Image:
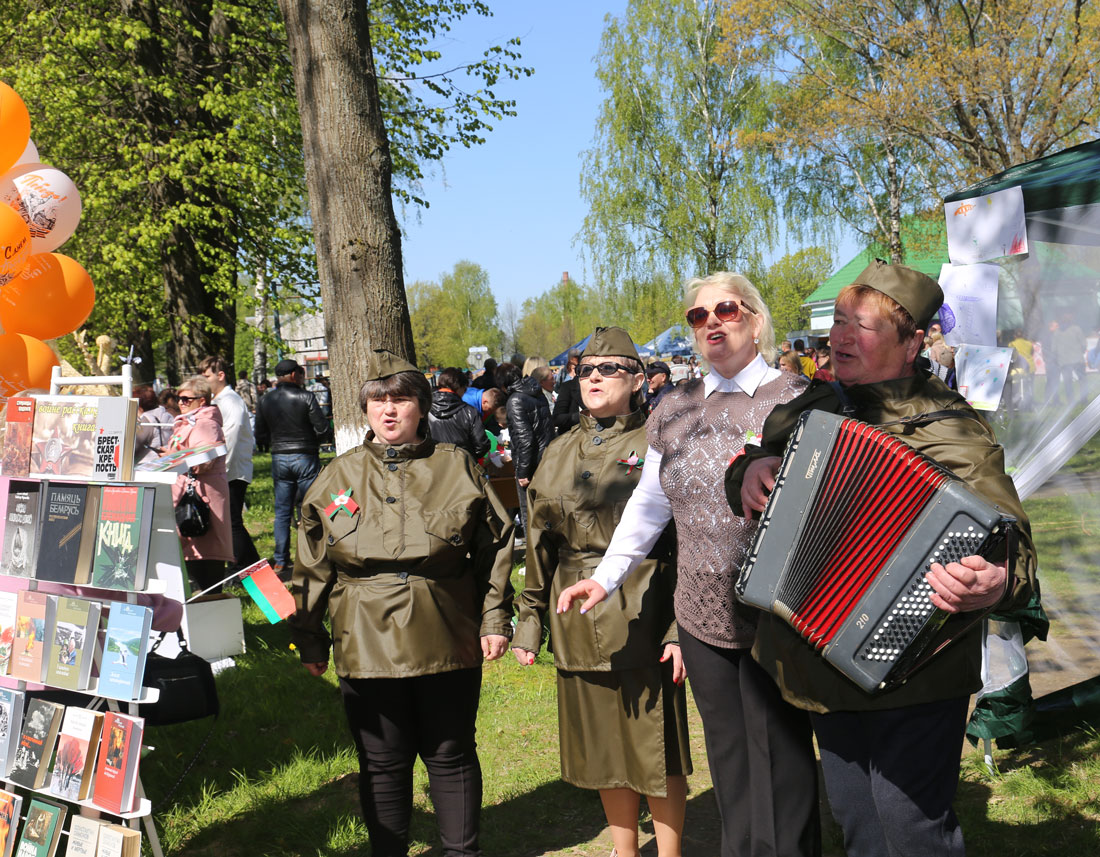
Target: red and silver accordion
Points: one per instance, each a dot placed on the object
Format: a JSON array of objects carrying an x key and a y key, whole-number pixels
[{"x": 853, "y": 525}]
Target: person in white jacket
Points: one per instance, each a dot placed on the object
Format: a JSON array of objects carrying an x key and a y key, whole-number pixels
[{"x": 239, "y": 442}]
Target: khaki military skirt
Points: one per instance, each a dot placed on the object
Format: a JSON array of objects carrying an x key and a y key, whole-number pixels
[{"x": 623, "y": 729}]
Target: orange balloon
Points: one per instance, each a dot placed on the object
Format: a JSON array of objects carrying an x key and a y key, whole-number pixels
[
  {"x": 52, "y": 296},
  {"x": 15, "y": 127},
  {"x": 15, "y": 243},
  {"x": 25, "y": 363}
]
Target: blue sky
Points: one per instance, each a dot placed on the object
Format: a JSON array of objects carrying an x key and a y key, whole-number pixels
[{"x": 513, "y": 205}]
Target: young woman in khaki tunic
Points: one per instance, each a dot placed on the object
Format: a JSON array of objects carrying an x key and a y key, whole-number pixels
[{"x": 621, "y": 702}]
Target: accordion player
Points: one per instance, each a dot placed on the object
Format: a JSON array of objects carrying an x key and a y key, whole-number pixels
[{"x": 853, "y": 525}]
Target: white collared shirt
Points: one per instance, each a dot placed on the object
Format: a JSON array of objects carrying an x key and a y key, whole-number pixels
[
  {"x": 238, "y": 434},
  {"x": 746, "y": 381},
  {"x": 648, "y": 510}
]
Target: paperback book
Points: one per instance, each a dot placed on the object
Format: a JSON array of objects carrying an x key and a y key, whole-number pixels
[
  {"x": 11, "y": 724},
  {"x": 118, "y": 841},
  {"x": 74, "y": 639},
  {"x": 19, "y": 421},
  {"x": 10, "y": 804},
  {"x": 8, "y": 605},
  {"x": 125, "y": 646},
  {"x": 66, "y": 539},
  {"x": 122, "y": 537},
  {"x": 21, "y": 516},
  {"x": 36, "y": 743},
  {"x": 77, "y": 745},
  {"x": 117, "y": 767},
  {"x": 33, "y": 621},
  {"x": 41, "y": 830},
  {"x": 84, "y": 437},
  {"x": 83, "y": 836}
]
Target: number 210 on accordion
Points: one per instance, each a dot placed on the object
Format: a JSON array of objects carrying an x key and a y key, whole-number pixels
[{"x": 855, "y": 521}]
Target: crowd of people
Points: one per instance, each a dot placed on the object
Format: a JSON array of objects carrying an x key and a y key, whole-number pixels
[{"x": 637, "y": 489}]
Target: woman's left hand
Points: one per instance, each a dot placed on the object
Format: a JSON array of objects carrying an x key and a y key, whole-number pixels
[
  {"x": 679, "y": 672},
  {"x": 969, "y": 584},
  {"x": 493, "y": 646}
]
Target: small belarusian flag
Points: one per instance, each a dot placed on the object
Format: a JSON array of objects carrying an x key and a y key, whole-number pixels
[
  {"x": 341, "y": 501},
  {"x": 269, "y": 593}
]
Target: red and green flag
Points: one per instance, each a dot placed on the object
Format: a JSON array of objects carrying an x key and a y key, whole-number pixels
[{"x": 269, "y": 593}]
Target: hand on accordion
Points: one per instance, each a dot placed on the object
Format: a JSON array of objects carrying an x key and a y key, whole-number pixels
[
  {"x": 970, "y": 584},
  {"x": 588, "y": 589},
  {"x": 758, "y": 483}
]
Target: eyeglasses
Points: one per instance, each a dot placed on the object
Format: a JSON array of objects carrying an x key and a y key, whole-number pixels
[
  {"x": 724, "y": 311},
  {"x": 605, "y": 369},
  {"x": 187, "y": 400}
]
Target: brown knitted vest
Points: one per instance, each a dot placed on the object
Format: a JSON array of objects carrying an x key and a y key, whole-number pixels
[{"x": 697, "y": 437}]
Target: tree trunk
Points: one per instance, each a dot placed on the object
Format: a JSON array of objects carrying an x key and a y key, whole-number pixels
[
  {"x": 348, "y": 173},
  {"x": 893, "y": 182},
  {"x": 259, "y": 344},
  {"x": 201, "y": 321}
]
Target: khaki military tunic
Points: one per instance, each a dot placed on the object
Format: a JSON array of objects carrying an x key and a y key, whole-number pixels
[
  {"x": 622, "y": 721},
  {"x": 963, "y": 444},
  {"x": 415, "y": 575}
]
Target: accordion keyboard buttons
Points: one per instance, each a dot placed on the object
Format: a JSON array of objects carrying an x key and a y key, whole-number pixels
[{"x": 911, "y": 612}]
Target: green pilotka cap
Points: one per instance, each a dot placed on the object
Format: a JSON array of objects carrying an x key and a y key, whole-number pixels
[
  {"x": 383, "y": 364},
  {"x": 917, "y": 293},
  {"x": 610, "y": 342}
]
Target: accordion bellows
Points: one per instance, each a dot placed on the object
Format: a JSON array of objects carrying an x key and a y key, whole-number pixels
[{"x": 853, "y": 525}]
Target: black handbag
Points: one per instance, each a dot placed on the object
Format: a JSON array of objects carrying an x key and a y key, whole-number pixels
[
  {"x": 186, "y": 685},
  {"x": 192, "y": 512}
]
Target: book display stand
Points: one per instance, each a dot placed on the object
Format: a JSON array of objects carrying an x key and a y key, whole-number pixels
[{"x": 163, "y": 574}]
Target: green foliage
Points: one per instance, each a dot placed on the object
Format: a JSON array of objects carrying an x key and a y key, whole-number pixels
[
  {"x": 177, "y": 122},
  {"x": 428, "y": 110},
  {"x": 789, "y": 281},
  {"x": 670, "y": 193},
  {"x": 560, "y": 316},
  {"x": 450, "y": 317}
]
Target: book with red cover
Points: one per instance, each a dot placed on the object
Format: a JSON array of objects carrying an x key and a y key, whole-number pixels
[
  {"x": 117, "y": 767},
  {"x": 17, "y": 436},
  {"x": 33, "y": 621}
]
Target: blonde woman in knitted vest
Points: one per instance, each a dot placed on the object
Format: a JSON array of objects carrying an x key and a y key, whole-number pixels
[{"x": 758, "y": 747}]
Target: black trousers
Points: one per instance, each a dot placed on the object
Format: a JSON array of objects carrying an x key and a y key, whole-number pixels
[
  {"x": 394, "y": 720},
  {"x": 760, "y": 752},
  {"x": 891, "y": 777},
  {"x": 244, "y": 551}
]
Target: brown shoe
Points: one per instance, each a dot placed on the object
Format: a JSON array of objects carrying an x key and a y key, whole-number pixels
[{"x": 282, "y": 572}]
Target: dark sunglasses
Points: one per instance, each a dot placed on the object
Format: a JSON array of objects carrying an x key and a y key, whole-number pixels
[
  {"x": 724, "y": 311},
  {"x": 187, "y": 400},
  {"x": 605, "y": 369}
]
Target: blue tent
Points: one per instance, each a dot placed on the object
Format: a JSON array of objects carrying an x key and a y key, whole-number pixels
[
  {"x": 560, "y": 359},
  {"x": 677, "y": 339}
]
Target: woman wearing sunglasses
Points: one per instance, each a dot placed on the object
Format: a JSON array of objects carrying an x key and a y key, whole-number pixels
[
  {"x": 199, "y": 424},
  {"x": 622, "y": 713},
  {"x": 758, "y": 747}
]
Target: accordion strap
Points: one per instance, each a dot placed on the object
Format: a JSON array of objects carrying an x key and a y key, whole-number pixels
[
  {"x": 930, "y": 417},
  {"x": 848, "y": 409}
]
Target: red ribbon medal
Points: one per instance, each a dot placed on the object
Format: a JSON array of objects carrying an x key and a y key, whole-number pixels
[{"x": 341, "y": 501}]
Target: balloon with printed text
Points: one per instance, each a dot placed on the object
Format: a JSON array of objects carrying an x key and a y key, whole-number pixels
[
  {"x": 15, "y": 244},
  {"x": 15, "y": 127},
  {"x": 46, "y": 199},
  {"x": 53, "y": 295},
  {"x": 26, "y": 363}
]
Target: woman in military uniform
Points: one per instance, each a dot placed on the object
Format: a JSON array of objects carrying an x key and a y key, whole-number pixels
[
  {"x": 408, "y": 549},
  {"x": 621, "y": 704}
]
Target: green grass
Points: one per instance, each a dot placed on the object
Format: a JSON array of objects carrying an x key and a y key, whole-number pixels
[{"x": 279, "y": 774}]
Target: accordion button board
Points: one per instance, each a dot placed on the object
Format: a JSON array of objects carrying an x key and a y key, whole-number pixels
[{"x": 853, "y": 525}]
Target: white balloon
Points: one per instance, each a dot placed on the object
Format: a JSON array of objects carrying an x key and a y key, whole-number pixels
[
  {"x": 30, "y": 154},
  {"x": 46, "y": 199}
]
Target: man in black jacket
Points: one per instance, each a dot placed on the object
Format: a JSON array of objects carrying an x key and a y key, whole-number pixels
[
  {"x": 289, "y": 419},
  {"x": 529, "y": 428},
  {"x": 451, "y": 420}
]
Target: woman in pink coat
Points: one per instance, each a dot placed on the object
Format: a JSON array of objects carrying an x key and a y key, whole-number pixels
[{"x": 198, "y": 424}]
